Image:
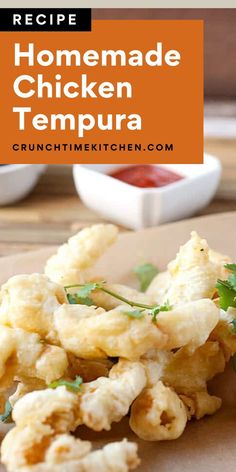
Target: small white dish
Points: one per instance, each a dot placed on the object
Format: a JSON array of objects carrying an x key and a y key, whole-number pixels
[
  {"x": 138, "y": 208},
  {"x": 17, "y": 180}
]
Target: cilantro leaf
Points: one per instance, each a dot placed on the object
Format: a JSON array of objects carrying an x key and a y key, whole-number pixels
[
  {"x": 88, "y": 288},
  {"x": 156, "y": 310},
  {"x": 227, "y": 289},
  {"x": 6, "y": 416},
  {"x": 82, "y": 297},
  {"x": 73, "y": 299},
  {"x": 232, "y": 280},
  {"x": 85, "y": 301},
  {"x": 231, "y": 267},
  {"x": 134, "y": 314},
  {"x": 145, "y": 273},
  {"x": 73, "y": 386},
  {"x": 227, "y": 294}
]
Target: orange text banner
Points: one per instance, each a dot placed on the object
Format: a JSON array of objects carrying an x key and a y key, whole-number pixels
[{"x": 126, "y": 92}]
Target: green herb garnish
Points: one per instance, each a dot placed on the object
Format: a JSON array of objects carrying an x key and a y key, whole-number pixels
[
  {"x": 6, "y": 416},
  {"x": 232, "y": 280},
  {"x": 73, "y": 299},
  {"x": 73, "y": 386},
  {"x": 227, "y": 288},
  {"x": 226, "y": 293},
  {"x": 83, "y": 295},
  {"x": 157, "y": 309},
  {"x": 145, "y": 274},
  {"x": 231, "y": 267},
  {"x": 86, "y": 289}
]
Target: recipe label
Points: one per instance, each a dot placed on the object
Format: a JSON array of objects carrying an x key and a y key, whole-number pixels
[{"x": 124, "y": 92}]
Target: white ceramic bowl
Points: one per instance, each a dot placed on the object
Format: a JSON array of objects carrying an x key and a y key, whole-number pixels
[
  {"x": 136, "y": 207},
  {"x": 17, "y": 180}
]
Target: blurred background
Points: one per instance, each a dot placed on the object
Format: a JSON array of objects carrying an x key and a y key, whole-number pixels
[{"x": 53, "y": 210}]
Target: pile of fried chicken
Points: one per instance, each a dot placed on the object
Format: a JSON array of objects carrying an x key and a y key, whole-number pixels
[{"x": 154, "y": 369}]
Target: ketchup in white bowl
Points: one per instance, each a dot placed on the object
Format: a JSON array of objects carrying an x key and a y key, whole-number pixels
[
  {"x": 146, "y": 176},
  {"x": 157, "y": 194}
]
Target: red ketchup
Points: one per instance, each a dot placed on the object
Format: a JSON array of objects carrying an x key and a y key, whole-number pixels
[{"x": 146, "y": 176}]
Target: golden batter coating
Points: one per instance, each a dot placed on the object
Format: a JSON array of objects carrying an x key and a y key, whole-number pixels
[
  {"x": 154, "y": 365},
  {"x": 192, "y": 275},
  {"x": 188, "y": 325},
  {"x": 158, "y": 414},
  {"x": 23, "y": 353},
  {"x": 80, "y": 253},
  {"x": 29, "y": 301},
  {"x": 108, "y": 399},
  {"x": 188, "y": 373},
  {"x": 90, "y": 333},
  {"x": 40, "y": 439}
]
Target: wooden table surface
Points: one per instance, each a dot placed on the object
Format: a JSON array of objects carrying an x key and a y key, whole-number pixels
[{"x": 53, "y": 211}]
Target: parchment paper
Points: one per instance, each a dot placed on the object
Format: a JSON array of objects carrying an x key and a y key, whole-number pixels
[{"x": 208, "y": 445}]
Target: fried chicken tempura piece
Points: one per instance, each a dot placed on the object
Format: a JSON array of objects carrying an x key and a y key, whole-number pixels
[
  {"x": 29, "y": 301},
  {"x": 189, "y": 373},
  {"x": 64, "y": 448},
  {"x": 108, "y": 302},
  {"x": 57, "y": 408},
  {"x": 23, "y": 353},
  {"x": 158, "y": 414},
  {"x": 200, "y": 404},
  {"x": 154, "y": 363},
  {"x": 80, "y": 253},
  {"x": 107, "y": 400},
  {"x": 188, "y": 325},
  {"x": 89, "y": 333},
  {"x": 97, "y": 405},
  {"x": 192, "y": 275},
  {"x": 51, "y": 364},
  {"x": 114, "y": 457},
  {"x": 40, "y": 440},
  {"x": 89, "y": 370},
  {"x": 159, "y": 287},
  {"x": 68, "y": 454},
  {"x": 39, "y": 417}
]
